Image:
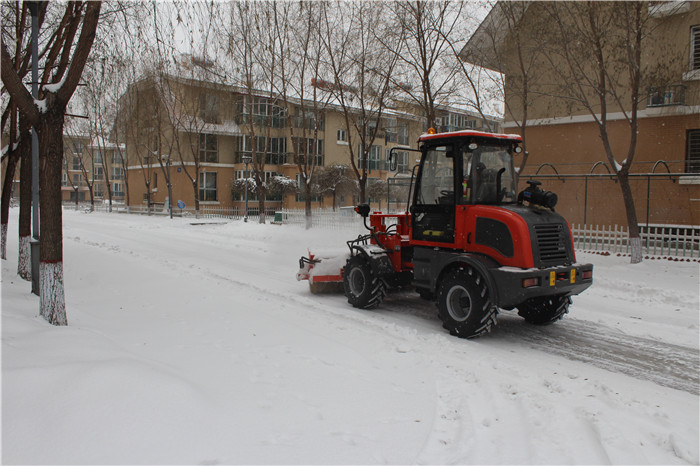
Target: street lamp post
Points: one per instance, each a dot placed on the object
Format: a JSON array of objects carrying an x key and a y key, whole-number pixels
[
  {"x": 170, "y": 185},
  {"x": 246, "y": 161},
  {"x": 36, "y": 226}
]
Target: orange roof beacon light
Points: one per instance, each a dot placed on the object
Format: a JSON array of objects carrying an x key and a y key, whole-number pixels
[{"x": 431, "y": 131}]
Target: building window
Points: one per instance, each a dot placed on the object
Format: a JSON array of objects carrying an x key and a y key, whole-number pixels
[
  {"x": 309, "y": 119},
  {"x": 457, "y": 122},
  {"x": 64, "y": 179},
  {"x": 99, "y": 173},
  {"x": 695, "y": 48},
  {"x": 99, "y": 190},
  {"x": 209, "y": 108},
  {"x": 117, "y": 159},
  {"x": 391, "y": 133},
  {"x": 76, "y": 163},
  {"x": 692, "y": 154},
  {"x": 117, "y": 173},
  {"x": 77, "y": 179},
  {"x": 309, "y": 146},
  {"x": 403, "y": 134},
  {"x": 155, "y": 181},
  {"x": 262, "y": 112},
  {"x": 208, "y": 148},
  {"x": 97, "y": 156},
  {"x": 207, "y": 186},
  {"x": 118, "y": 190},
  {"x": 374, "y": 161},
  {"x": 77, "y": 147},
  {"x": 342, "y": 136},
  {"x": 80, "y": 196},
  {"x": 669, "y": 95},
  {"x": 276, "y": 151}
]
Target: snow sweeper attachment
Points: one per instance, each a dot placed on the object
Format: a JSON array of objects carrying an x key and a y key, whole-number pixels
[
  {"x": 323, "y": 270},
  {"x": 468, "y": 241}
]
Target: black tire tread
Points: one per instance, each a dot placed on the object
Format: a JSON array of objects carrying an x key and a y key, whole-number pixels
[
  {"x": 482, "y": 322},
  {"x": 377, "y": 289}
]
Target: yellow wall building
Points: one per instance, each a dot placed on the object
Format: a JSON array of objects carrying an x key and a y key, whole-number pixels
[{"x": 199, "y": 133}]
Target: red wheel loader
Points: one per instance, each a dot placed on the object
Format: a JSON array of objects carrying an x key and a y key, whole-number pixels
[{"x": 468, "y": 240}]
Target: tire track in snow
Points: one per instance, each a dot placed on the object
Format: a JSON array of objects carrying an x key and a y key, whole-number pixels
[{"x": 665, "y": 364}]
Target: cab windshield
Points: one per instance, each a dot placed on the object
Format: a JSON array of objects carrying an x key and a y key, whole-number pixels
[{"x": 488, "y": 175}]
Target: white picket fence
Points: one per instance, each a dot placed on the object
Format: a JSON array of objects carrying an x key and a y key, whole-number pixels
[{"x": 657, "y": 240}]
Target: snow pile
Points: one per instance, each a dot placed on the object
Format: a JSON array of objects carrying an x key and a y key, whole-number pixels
[{"x": 195, "y": 344}]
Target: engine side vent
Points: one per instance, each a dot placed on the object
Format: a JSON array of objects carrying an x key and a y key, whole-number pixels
[{"x": 553, "y": 244}]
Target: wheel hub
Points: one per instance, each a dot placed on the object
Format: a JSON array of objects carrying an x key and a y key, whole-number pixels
[
  {"x": 459, "y": 303},
  {"x": 356, "y": 281}
]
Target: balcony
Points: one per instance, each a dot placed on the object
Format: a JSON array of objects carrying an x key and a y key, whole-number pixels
[
  {"x": 666, "y": 96},
  {"x": 263, "y": 121},
  {"x": 271, "y": 158},
  {"x": 309, "y": 123}
]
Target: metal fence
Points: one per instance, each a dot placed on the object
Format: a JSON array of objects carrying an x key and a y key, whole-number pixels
[{"x": 205, "y": 211}]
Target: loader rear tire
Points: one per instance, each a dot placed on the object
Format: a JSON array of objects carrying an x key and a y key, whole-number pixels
[
  {"x": 363, "y": 288},
  {"x": 464, "y": 303},
  {"x": 544, "y": 310}
]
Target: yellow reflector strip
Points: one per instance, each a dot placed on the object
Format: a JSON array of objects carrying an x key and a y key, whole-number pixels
[
  {"x": 552, "y": 278},
  {"x": 573, "y": 275}
]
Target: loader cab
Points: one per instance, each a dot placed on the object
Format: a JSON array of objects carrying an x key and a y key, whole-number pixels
[{"x": 462, "y": 168}]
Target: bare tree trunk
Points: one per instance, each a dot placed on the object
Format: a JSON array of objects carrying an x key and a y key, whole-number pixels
[
  {"x": 12, "y": 159},
  {"x": 632, "y": 221},
  {"x": 363, "y": 188},
  {"x": 261, "y": 208},
  {"x": 307, "y": 205},
  {"x": 195, "y": 187},
  {"x": 53, "y": 304},
  {"x": 24, "y": 269}
]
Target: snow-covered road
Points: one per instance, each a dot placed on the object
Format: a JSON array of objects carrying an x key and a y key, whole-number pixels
[{"x": 194, "y": 344}]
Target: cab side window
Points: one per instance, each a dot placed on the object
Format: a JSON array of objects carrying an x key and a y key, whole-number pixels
[{"x": 466, "y": 184}]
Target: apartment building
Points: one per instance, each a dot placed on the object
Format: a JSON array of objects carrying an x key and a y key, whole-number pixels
[
  {"x": 91, "y": 165},
  {"x": 199, "y": 133},
  {"x": 563, "y": 138}
]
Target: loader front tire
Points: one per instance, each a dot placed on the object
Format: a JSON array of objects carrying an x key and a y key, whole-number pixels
[
  {"x": 363, "y": 288},
  {"x": 464, "y": 303}
]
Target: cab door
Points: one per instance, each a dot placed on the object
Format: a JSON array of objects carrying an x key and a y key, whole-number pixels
[{"x": 433, "y": 210}]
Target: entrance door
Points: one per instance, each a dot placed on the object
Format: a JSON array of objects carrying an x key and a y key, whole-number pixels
[{"x": 433, "y": 208}]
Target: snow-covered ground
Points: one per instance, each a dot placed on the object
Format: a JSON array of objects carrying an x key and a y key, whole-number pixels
[{"x": 195, "y": 344}]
